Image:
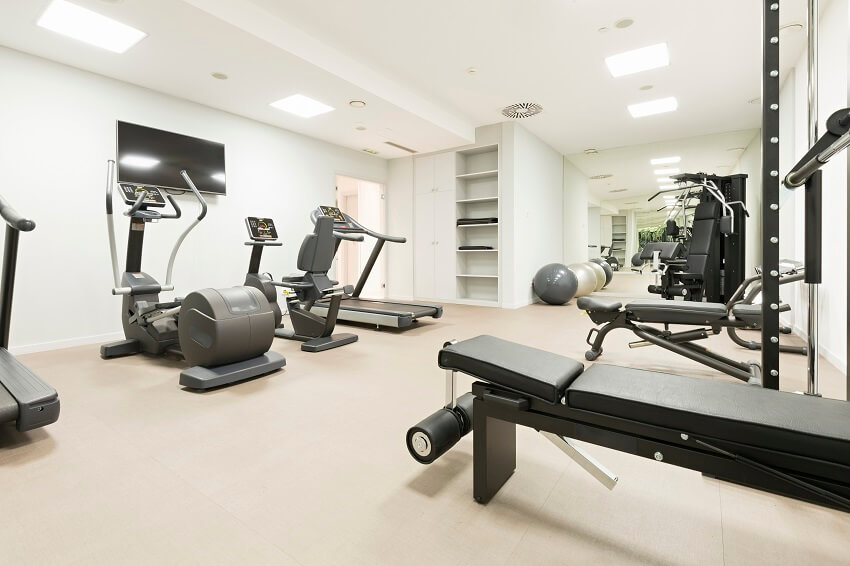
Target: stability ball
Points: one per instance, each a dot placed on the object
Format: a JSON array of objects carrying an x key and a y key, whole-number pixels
[
  {"x": 600, "y": 274},
  {"x": 609, "y": 271},
  {"x": 555, "y": 284},
  {"x": 586, "y": 278},
  {"x": 636, "y": 260}
]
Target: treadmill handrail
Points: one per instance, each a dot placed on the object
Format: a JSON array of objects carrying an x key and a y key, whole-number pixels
[{"x": 13, "y": 219}]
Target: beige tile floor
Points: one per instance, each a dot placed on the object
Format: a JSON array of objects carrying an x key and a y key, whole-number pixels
[{"x": 308, "y": 466}]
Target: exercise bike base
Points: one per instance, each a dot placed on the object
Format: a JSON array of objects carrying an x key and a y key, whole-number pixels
[
  {"x": 317, "y": 344},
  {"x": 201, "y": 378}
]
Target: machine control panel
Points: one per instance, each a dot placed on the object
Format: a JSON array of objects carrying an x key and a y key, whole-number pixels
[
  {"x": 340, "y": 222},
  {"x": 130, "y": 192},
  {"x": 261, "y": 229}
]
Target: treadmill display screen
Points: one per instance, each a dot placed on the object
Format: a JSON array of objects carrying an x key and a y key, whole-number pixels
[{"x": 333, "y": 212}]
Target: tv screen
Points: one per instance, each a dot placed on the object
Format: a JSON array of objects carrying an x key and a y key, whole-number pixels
[{"x": 148, "y": 156}]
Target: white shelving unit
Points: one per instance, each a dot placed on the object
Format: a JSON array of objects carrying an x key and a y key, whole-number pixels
[
  {"x": 477, "y": 193},
  {"x": 618, "y": 238}
]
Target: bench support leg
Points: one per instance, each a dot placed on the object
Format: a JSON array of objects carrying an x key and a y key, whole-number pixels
[
  {"x": 583, "y": 459},
  {"x": 493, "y": 454}
]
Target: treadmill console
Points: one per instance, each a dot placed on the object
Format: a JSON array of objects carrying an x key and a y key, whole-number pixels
[
  {"x": 341, "y": 223},
  {"x": 130, "y": 192},
  {"x": 261, "y": 229}
]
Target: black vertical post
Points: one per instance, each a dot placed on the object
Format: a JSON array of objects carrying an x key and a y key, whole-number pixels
[
  {"x": 770, "y": 195},
  {"x": 7, "y": 286},
  {"x": 135, "y": 244},
  {"x": 256, "y": 258},
  {"x": 813, "y": 220}
]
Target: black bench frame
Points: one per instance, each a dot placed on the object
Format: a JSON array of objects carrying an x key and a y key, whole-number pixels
[{"x": 497, "y": 411}]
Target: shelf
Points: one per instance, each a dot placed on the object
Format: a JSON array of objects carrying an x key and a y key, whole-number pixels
[
  {"x": 476, "y": 275},
  {"x": 472, "y": 200},
  {"x": 477, "y": 225},
  {"x": 476, "y": 251},
  {"x": 479, "y": 174}
]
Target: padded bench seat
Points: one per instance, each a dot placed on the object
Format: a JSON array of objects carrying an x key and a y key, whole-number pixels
[
  {"x": 526, "y": 370},
  {"x": 751, "y": 314},
  {"x": 807, "y": 426},
  {"x": 675, "y": 312}
]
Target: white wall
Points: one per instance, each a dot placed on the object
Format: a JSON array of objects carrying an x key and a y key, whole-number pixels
[
  {"x": 58, "y": 130},
  {"x": 538, "y": 180},
  {"x": 400, "y": 223},
  {"x": 575, "y": 214}
]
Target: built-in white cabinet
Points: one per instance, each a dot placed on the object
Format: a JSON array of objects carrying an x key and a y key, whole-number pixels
[
  {"x": 433, "y": 230},
  {"x": 456, "y": 228}
]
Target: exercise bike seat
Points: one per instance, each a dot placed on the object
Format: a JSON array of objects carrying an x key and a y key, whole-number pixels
[
  {"x": 523, "y": 369},
  {"x": 591, "y": 304}
]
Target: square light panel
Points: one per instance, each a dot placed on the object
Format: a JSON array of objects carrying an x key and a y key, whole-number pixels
[
  {"x": 638, "y": 60},
  {"x": 665, "y": 160},
  {"x": 659, "y": 106},
  {"x": 89, "y": 27},
  {"x": 301, "y": 105},
  {"x": 666, "y": 171}
]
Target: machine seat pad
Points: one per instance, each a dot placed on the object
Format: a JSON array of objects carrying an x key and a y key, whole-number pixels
[
  {"x": 526, "y": 370},
  {"x": 675, "y": 312},
  {"x": 751, "y": 314},
  {"x": 787, "y": 422},
  {"x": 590, "y": 304}
]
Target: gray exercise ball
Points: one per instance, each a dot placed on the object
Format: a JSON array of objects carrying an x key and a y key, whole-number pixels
[
  {"x": 586, "y": 278},
  {"x": 606, "y": 267},
  {"x": 636, "y": 260},
  {"x": 555, "y": 284},
  {"x": 600, "y": 274}
]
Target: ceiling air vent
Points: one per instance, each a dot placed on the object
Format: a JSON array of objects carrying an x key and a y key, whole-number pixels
[
  {"x": 522, "y": 110},
  {"x": 602, "y": 176},
  {"x": 617, "y": 190},
  {"x": 401, "y": 147}
]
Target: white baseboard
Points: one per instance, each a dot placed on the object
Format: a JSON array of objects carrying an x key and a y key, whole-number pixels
[{"x": 69, "y": 343}]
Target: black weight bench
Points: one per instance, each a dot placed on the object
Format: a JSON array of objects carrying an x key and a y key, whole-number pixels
[{"x": 790, "y": 444}]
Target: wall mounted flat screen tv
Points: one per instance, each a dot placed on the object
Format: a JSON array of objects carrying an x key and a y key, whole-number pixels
[{"x": 148, "y": 156}]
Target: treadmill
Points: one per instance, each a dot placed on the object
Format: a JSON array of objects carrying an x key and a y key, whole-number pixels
[
  {"x": 370, "y": 311},
  {"x": 25, "y": 399}
]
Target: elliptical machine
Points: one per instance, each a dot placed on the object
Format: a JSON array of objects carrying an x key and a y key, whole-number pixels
[
  {"x": 224, "y": 333},
  {"x": 314, "y": 258}
]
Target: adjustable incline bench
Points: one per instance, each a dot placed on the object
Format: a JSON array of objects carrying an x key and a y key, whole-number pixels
[{"x": 784, "y": 443}]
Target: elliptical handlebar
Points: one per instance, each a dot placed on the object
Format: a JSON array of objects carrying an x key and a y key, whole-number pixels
[
  {"x": 13, "y": 219},
  {"x": 197, "y": 194}
]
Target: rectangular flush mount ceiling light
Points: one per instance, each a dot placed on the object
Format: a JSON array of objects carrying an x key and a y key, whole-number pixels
[
  {"x": 665, "y": 160},
  {"x": 666, "y": 171},
  {"x": 638, "y": 60},
  {"x": 301, "y": 105},
  {"x": 653, "y": 107},
  {"x": 89, "y": 27}
]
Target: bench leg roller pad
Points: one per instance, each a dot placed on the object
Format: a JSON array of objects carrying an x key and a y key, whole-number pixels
[{"x": 436, "y": 434}]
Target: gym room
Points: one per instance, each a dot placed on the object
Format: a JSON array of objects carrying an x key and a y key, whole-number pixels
[{"x": 386, "y": 283}]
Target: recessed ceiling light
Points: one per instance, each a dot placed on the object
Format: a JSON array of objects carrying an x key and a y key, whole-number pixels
[
  {"x": 736, "y": 149},
  {"x": 666, "y": 171},
  {"x": 219, "y": 76},
  {"x": 357, "y": 103},
  {"x": 602, "y": 176},
  {"x": 793, "y": 26},
  {"x": 89, "y": 27},
  {"x": 368, "y": 150},
  {"x": 471, "y": 70},
  {"x": 665, "y": 187},
  {"x": 646, "y": 87},
  {"x": 618, "y": 190},
  {"x": 638, "y": 60},
  {"x": 665, "y": 180},
  {"x": 634, "y": 202},
  {"x": 653, "y": 107},
  {"x": 591, "y": 151},
  {"x": 624, "y": 23},
  {"x": 301, "y": 105},
  {"x": 665, "y": 160},
  {"x": 756, "y": 100},
  {"x": 139, "y": 161},
  {"x": 360, "y": 127}
]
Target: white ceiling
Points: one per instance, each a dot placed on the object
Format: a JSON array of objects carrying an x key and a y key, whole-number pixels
[{"x": 408, "y": 60}]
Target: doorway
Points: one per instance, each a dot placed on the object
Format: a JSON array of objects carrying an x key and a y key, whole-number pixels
[{"x": 364, "y": 201}]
